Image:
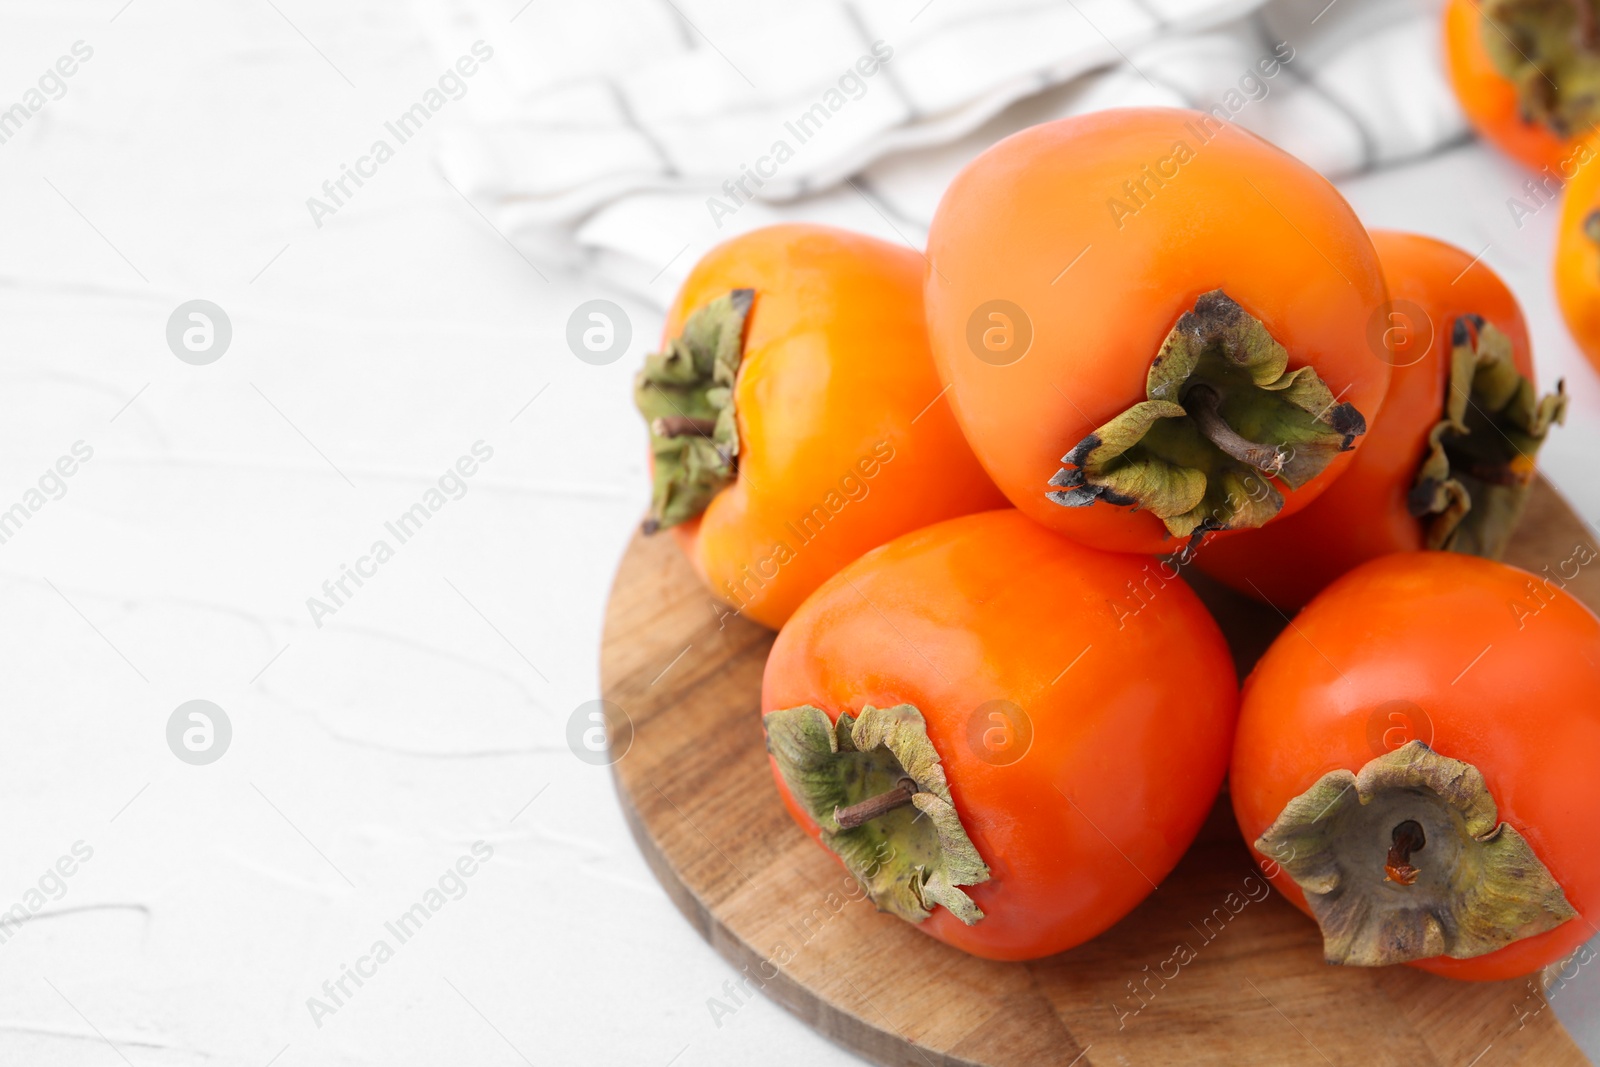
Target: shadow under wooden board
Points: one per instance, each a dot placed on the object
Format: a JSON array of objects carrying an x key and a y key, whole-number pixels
[{"x": 1210, "y": 969}]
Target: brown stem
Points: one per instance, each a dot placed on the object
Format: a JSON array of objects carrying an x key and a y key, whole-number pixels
[
  {"x": 1205, "y": 405},
  {"x": 1407, "y": 838},
  {"x": 682, "y": 426},
  {"x": 874, "y": 806}
]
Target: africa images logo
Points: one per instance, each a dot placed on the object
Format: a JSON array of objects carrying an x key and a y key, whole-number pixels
[
  {"x": 452, "y": 884},
  {"x": 52, "y": 82},
  {"x": 803, "y": 127},
  {"x": 452, "y": 86}
]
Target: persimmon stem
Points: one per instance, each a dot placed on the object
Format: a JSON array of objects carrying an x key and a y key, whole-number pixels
[
  {"x": 682, "y": 426},
  {"x": 872, "y": 807},
  {"x": 1203, "y": 403},
  {"x": 1350, "y": 842},
  {"x": 1407, "y": 838}
]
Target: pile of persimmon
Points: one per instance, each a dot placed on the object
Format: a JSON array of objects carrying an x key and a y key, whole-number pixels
[{"x": 1161, "y": 341}]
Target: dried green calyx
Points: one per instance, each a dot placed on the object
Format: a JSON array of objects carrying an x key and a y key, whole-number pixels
[
  {"x": 685, "y": 394},
  {"x": 1408, "y": 860},
  {"x": 1474, "y": 482},
  {"x": 909, "y": 858},
  {"x": 1550, "y": 51},
  {"x": 1224, "y": 419}
]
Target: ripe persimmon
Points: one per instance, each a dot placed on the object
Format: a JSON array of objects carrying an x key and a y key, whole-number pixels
[
  {"x": 1064, "y": 751},
  {"x": 1527, "y": 75},
  {"x": 1154, "y": 325},
  {"x": 1449, "y": 460},
  {"x": 794, "y": 415},
  {"x": 1415, "y": 766},
  {"x": 1577, "y": 262}
]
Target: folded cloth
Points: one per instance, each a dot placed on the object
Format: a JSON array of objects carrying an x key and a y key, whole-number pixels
[{"x": 629, "y": 136}]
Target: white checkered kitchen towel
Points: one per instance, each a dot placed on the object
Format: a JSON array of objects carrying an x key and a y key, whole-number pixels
[{"x": 629, "y": 136}]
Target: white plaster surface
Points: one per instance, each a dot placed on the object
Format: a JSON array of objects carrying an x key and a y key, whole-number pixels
[{"x": 429, "y": 712}]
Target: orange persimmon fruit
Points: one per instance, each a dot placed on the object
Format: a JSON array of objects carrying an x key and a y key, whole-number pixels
[
  {"x": 1527, "y": 75},
  {"x": 1449, "y": 460},
  {"x": 1577, "y": 260},
  {"x": 795, "y": 416},
  {"x": 1415, "y": 765},
  {"x": 1154, "y": 325},
  {"x": 1062, "y": 751}
]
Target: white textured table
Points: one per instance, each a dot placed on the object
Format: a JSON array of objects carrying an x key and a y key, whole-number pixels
[{"x": 206, "y": 904}]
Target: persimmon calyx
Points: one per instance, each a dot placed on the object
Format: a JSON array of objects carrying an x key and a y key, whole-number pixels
[
  {"x": 1474, "y": 481},
  {"x": 685, "y": 393},
  {"x": 914, "y": 854},
  {"x": 1550, "y": 51},
  {"x": 1408, "y": 860},
  {"x": 1224, "y": 419}
]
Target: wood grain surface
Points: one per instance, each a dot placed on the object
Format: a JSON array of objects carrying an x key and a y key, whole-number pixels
[{"x": 1191, "y": 977}]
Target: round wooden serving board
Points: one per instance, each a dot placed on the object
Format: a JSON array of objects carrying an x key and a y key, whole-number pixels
[{"x": 685, "y": 686}]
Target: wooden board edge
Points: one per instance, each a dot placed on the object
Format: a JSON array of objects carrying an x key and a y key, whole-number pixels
[{"x": 849, "y": 1032}]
